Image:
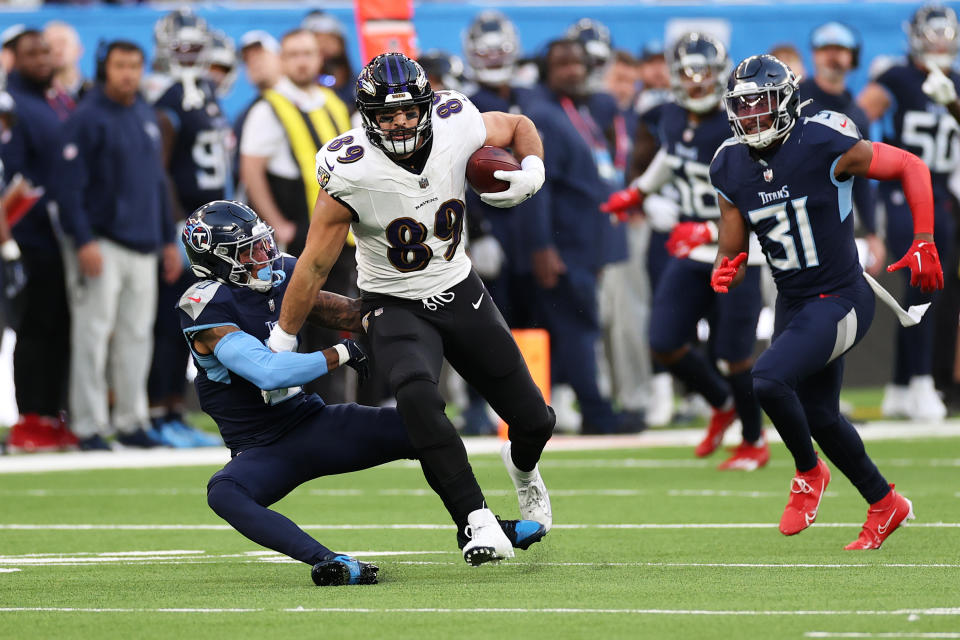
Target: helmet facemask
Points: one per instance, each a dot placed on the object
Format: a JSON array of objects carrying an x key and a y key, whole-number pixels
[
  {"x": 492, "y": 47},
  {"x": 391, "y": 82},
  {"x": 759, "y": 115},
  {"x": 699, "y": 68},
  {"x": 697, "y": 85},
  {"x": 934, "y": 37},
  {"x": 247, "y": 262}
]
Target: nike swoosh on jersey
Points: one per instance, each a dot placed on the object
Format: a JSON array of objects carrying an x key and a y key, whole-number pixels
[
  {"x": 197, "y": 299},
  {"x": 476, "y": 305}
]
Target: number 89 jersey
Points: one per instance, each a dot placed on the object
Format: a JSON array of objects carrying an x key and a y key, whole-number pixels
[
  {"x": 408, "y": 226},
  {"x": 792, "y": 201}
]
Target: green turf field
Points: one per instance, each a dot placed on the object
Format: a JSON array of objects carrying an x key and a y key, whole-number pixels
[{"x": 157, "y": 563}]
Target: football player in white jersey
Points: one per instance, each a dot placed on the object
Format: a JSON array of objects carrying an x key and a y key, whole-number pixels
[{"x": 398, "y": 182}]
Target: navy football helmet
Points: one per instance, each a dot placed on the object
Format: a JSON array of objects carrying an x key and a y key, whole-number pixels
[
  {"x": 220, "y": 59},
  {"x": 761, "y": 101},
  {"x": 227, "y": 241},
  {"x": 933, "y": 35},
  {"x": 445, "y": 68},
  {"x": 491, "y": 45},
  {"x": 699, "y": 68},
  {"x": 389, "y": 82},
  {"x": 180, "y": 38},
  {"x": 595, "y": 37}
]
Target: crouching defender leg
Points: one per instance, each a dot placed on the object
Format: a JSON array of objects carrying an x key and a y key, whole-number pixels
[{"x": 335, "y": 439}]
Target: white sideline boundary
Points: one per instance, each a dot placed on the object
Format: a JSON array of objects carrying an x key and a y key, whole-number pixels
[
  {"x": 213, "y": 456},
  {"x": 510, "y": 610}
]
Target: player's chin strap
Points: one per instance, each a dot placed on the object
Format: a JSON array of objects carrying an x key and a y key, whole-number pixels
[{"x": 907, "y": 317}]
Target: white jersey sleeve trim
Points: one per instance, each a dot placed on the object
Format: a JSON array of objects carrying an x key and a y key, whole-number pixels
[{"x": 657, "y": 174}]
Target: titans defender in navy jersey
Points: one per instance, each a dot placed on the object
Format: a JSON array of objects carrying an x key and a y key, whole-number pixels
[
  {"x": 195, "y": 137},
  {"x": 788, "y": 179},
  {"x": 279, "y": 437},
  {"x": 916, "y": 103},
  {"x": 690, "y": 132}
]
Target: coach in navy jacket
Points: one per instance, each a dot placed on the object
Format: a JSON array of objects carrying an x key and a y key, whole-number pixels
[
  {"x": 114, "y": 205},
  {"x": 568, "y": 237},
  {"x": 32, "y": 149}
]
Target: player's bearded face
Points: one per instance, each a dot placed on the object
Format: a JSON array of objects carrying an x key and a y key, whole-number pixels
[{"x": 399, "y": 129}]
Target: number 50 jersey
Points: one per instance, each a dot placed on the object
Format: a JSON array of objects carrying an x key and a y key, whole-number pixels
[
  {"x": 408, "y": 226},
  {"x": 919, "y": 125},
  {"x": 792, "y": 201}
]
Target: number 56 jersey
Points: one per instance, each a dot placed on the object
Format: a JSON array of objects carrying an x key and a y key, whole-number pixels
[
  {"x": 408, "y": 225},
  {"x": 790, "y": 198}
]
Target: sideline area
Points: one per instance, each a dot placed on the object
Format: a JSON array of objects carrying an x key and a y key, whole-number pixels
[{"x": 139, "y": 458}]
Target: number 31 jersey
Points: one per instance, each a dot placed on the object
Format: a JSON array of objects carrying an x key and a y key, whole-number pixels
[
  {"x": 408, "y": 226},
  {"x": 792, "y": 201}
]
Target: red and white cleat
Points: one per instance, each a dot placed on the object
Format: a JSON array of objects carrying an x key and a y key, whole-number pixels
[
  {"x": 806, "y": 491},
  {"x": 720, "y": 421},
  {"x": 33, "y": 433},
  {"x": 883, "y": 518},
  {"x": 747, "y": 457}
]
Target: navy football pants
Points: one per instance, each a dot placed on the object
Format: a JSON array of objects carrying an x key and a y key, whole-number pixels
[
  {"x": 337, "y": 439},
  {"x": 798, "y": 380},
  {"x": 914, "y": 351}
]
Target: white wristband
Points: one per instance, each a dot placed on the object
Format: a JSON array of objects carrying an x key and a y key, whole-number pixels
[
  {"x": 280, "y": 340},
  {"x": 9, "y": 250},
  {"x": 343, "y": 353}
]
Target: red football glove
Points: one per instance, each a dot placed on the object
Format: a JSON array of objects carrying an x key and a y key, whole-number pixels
[
  {"x": 687, "y": 236},
  {"x": 924, "y": 263},
  {"x": 621, "y": 201},
  {"x": 724, "y": 274}
]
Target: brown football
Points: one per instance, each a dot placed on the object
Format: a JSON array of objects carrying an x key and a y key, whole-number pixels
[{"x": 483, "y": 163}]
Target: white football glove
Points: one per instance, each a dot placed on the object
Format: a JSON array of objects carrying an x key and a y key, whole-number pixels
[
  {"x": 280, "y": 340},
  {"x": 939, "y": 87},
  {"x": 523, "y": 184},
  {"x": 487, "y": 256}
]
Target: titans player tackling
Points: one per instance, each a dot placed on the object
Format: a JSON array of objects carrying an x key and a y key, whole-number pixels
[
  {"x": 399, "y": 182},
  {"x": 788, "y": 179},
  {"x": 279, "y": 437}
]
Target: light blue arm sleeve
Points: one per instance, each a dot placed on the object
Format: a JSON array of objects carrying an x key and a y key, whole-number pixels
[{"x": 243, "y": 354}]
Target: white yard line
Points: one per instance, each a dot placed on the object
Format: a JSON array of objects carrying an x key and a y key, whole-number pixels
[
  {"x": 138, "y": 459},
  {"x": 485, "y": 610},
  {"x": 349, "y": 527},
  {"x": 889, "y": 634},
  {"x": 714, "y": 565}
]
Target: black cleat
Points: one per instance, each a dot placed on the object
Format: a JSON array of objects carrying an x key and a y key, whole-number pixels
[
  {"x": 341, "y": 570},
  {"x": 521, "y": 533}
]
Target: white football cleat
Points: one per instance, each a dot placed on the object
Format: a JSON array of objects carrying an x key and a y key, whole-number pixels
[
  {"x": 660, "y": 408},
  {"x": 531, "y": 492},
  {"x": 488, "y": 542},
  {"x": 896, "y": 401},
  {"x": 924, "y": 402}
]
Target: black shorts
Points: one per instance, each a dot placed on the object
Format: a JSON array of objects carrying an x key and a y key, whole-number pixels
[{"x": 410, "y": 338}]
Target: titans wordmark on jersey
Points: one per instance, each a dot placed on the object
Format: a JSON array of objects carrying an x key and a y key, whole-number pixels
[
  {"x": 408, "y": 226},
  {"x": 798, "y": 209}
]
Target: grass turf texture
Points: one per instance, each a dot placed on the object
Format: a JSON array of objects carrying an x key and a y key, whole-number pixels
[{"x": 628, "y": 583}]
